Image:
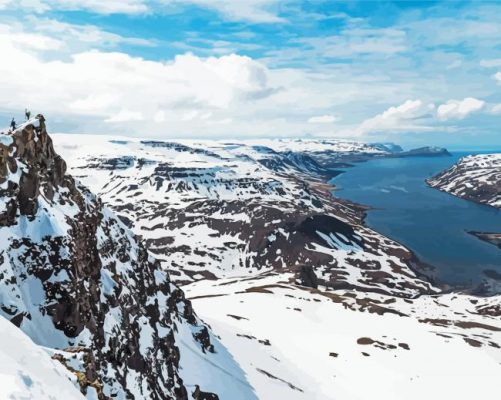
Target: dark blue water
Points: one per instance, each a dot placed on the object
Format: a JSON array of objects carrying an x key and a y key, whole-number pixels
[{"x": 431, "y": 223}]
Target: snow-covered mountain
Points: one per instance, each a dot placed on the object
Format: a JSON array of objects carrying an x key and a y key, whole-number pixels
[
  {"x": 212, "y": 210},
  {"x": 476, "y": 178},
  {"x": 77, "y": 282}
]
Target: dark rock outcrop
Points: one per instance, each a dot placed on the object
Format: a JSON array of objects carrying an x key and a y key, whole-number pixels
[
  {"x": 307, "y": 276},
  {"x": 74, "y": 278}
]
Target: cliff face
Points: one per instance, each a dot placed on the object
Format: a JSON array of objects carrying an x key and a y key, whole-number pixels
[{"x": 75, "y": 279}]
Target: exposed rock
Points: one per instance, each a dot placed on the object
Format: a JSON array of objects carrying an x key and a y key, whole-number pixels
[
  {"x": 199, "y": 395},
  {"x": 73, "y": 276},
  {"x": 307, "y": 276}
]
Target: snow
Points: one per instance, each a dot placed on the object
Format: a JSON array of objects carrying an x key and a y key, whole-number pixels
[
  {"x": 213, "y": 184},
  {"x": 304, "y": 327},
  {"x": 216, "y": 372},
  {"x": 277, "y": 340},
  {"x": 28, "y": 372}
]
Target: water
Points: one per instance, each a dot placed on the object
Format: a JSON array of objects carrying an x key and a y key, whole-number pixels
[{"x": 431, "y": 223}]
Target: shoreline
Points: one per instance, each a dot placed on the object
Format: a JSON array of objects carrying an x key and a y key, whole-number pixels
[{"x": 423, "y": 270}]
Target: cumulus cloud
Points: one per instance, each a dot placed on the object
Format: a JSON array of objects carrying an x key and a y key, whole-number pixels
[
  {"x": 405, "y": 117},
  {"x": 459, "y": 109},
  {"x": 322, "y": 119},
  {"x": 497, "y": 76},
  {"x": 80, "y": 74},
  {"x": 92, "y": 77},
  {"x": 117, "y": 88}
]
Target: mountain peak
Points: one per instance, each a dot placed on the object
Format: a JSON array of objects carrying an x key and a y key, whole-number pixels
[{"x": 30, "y": 166}]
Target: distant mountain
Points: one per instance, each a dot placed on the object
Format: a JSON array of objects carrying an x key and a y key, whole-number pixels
[
  {"x": 476, "y": 178},
  {"x": 287, "y": 274},
  {"x": 427, "y": 151},
  {"x": 388, "y": 147},
  {"x": 77, "y": 282}
]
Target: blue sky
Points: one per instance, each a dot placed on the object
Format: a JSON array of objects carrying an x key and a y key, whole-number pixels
[{"x": 410, "y": 72}]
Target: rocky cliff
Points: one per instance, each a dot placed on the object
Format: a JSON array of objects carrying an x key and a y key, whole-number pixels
[{"x": 76, "y": 280}]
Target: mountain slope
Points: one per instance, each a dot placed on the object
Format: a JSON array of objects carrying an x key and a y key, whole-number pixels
[
  {"x": 306, "y": 300},
  {"x": 75, "y": 279},
  {"x": 476, "y": 178},
  {"x": 299, "y": 343}
]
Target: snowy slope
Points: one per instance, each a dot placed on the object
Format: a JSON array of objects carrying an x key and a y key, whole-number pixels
[
  {"x": 476, "y": 178},
  {"x": 230, "y": 209},
  {"x": 28, "y": 372},
  {"x": 297, "y": 343}
]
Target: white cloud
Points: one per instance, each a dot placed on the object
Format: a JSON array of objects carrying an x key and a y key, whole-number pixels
[
  {"x": 459, "y": 109},
  {"x": 358, "y": 41},
  {"x": 496, "y": 109},
  {"x": 53, "y": 69},
  {"x": 405, "y": 117},
  {"x": 27, "y": 41},
  {"x": 116, "y": 87},
  {"x": 258, "y": 11},
  {"x": 497, "y": 76},
  {"x": 322, "y": 119},
  {"x": 491, "y": 63},
  {"x": 100, "y": 6},
  {"x": 51, "y": 37},
  {"x": 84, "y": 34}
]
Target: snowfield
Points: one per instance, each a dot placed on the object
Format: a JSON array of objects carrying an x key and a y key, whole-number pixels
[
  {"x": 209, "y": 210},
  {"x": 304, "y": 344}
]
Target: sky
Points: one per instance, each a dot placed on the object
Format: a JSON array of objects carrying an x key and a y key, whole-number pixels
[{"x": 410, "y": 72}]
